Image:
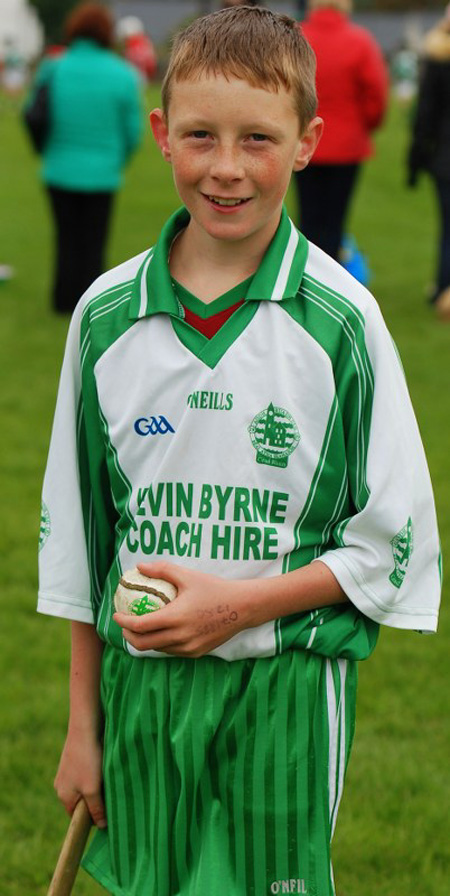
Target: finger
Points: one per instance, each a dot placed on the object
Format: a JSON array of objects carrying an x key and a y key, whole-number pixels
[
  {"x": 141, "y": 625},
  {"x": 69, "y": 798},
  {"x": 96, "y": 808},
  {"x": 181, "y": 650},
  {"x": 161, "y": 641}
]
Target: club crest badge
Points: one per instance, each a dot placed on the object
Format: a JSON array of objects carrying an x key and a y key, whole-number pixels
[
  {"x": 274, "y": 435},
  {"x": 45, "y": 526},
  {"x": 402, "y": 548}
]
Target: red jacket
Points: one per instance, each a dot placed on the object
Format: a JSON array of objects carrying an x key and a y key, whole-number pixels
[{"x": 352, "y": 85}]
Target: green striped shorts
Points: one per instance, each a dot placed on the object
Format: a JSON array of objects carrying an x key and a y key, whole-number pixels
[{"x": 222, "y": 777}]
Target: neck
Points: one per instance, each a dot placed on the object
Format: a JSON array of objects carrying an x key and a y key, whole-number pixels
[{"x": 208, "y": 267}]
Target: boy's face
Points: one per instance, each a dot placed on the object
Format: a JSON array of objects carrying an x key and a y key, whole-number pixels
[{"x": 233, "y": 148}]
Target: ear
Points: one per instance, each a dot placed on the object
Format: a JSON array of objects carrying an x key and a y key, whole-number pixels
[
  {"x": 160, "y": 131},
  {"x": 308, "y": 143}
]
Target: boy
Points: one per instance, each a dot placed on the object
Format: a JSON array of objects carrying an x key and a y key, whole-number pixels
[{"x": 271, "y": 469}]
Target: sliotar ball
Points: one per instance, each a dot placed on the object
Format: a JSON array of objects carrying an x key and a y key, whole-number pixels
[{"x": 137, "y": 594}]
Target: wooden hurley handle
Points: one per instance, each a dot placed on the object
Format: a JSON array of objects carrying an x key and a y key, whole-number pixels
[{"x": 72, "y": 849}]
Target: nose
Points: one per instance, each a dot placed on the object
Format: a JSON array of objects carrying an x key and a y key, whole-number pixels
[{"x": 227, "y": 164}]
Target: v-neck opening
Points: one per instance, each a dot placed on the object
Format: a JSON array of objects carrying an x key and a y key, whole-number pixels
[
  {"x": 221, "y": 303},
  {"x": 210, "y": 351}
]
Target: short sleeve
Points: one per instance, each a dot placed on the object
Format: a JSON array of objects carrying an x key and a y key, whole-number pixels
[
  {"x": 387, "y": 558},
  {"x": 64, "y": 578}
]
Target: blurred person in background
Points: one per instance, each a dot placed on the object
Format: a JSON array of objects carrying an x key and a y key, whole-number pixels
[
  {"x": 137, "y": 46},
  {"x": 13, "y": 70},
  {"x": 6, "y": 272},
  {"x": 95, "y": 126},
  {"x": 405, "y": 73},
  {"x": 352, "y": 88},
  {"x": 430, "y": 146}
]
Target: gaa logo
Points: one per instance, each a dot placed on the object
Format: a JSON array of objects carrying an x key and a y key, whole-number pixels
[{"x": 152, "y": 426}]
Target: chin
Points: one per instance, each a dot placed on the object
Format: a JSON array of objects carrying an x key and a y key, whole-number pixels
[{"x": 228, "y": 227}]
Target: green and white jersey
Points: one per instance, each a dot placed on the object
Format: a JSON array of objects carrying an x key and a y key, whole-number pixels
[{"x": 287, "y": 437}]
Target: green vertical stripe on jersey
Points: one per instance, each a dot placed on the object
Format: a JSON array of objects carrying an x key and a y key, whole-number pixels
[
  {"x": 337, "y": 487},
  {"x": 361, "y": 395},
  {"x": 105, "y": 490},
  {"x": 221, "y": 777},
  {"x": 121, "y": 491},
  {"x": 338, "y": 326},
  {"x": 326, "y": 499},
  {"x": 87, "y": 505},
  {"x": 98, "y": 508},
  {"x": 339, "y": 329}
]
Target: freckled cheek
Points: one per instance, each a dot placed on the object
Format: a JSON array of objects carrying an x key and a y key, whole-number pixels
[
  {"x": 186, "y": 170},
  {"x": 274, "y": 175}
]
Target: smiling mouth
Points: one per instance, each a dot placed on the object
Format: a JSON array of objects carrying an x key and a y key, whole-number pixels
[{"x": 227, "y": 202}]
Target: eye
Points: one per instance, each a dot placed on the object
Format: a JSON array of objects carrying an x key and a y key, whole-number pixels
[
  {"x": 258, "y": 138},
  {"x": 199, "y": 135}
]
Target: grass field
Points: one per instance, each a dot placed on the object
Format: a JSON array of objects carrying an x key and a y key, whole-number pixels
[{"x": 392, "y": 835}]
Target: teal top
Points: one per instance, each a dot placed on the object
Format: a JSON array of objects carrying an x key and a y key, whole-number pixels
[{"x": 95, "y": 117}]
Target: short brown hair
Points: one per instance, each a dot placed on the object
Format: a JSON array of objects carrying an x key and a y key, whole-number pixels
[
  {"x": 250, "y": 43},
  {"x": 92, "y": 21}
]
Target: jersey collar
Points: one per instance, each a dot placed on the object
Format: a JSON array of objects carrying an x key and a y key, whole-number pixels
[{"x": 277, "y": 278}]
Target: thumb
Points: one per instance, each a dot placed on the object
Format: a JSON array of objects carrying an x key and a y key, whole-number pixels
[{"x": 96, "y": 808}]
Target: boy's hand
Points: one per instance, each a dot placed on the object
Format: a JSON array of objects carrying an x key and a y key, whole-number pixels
[
  {"x": 207, "y": 611},
  {"x": 80, "y": 775}
]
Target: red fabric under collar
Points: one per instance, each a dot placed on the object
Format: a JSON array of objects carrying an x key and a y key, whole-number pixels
[{"x": 209, "y": 326}]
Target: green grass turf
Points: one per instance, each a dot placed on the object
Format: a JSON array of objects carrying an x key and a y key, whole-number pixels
[{"x": 392, "y": 832}]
